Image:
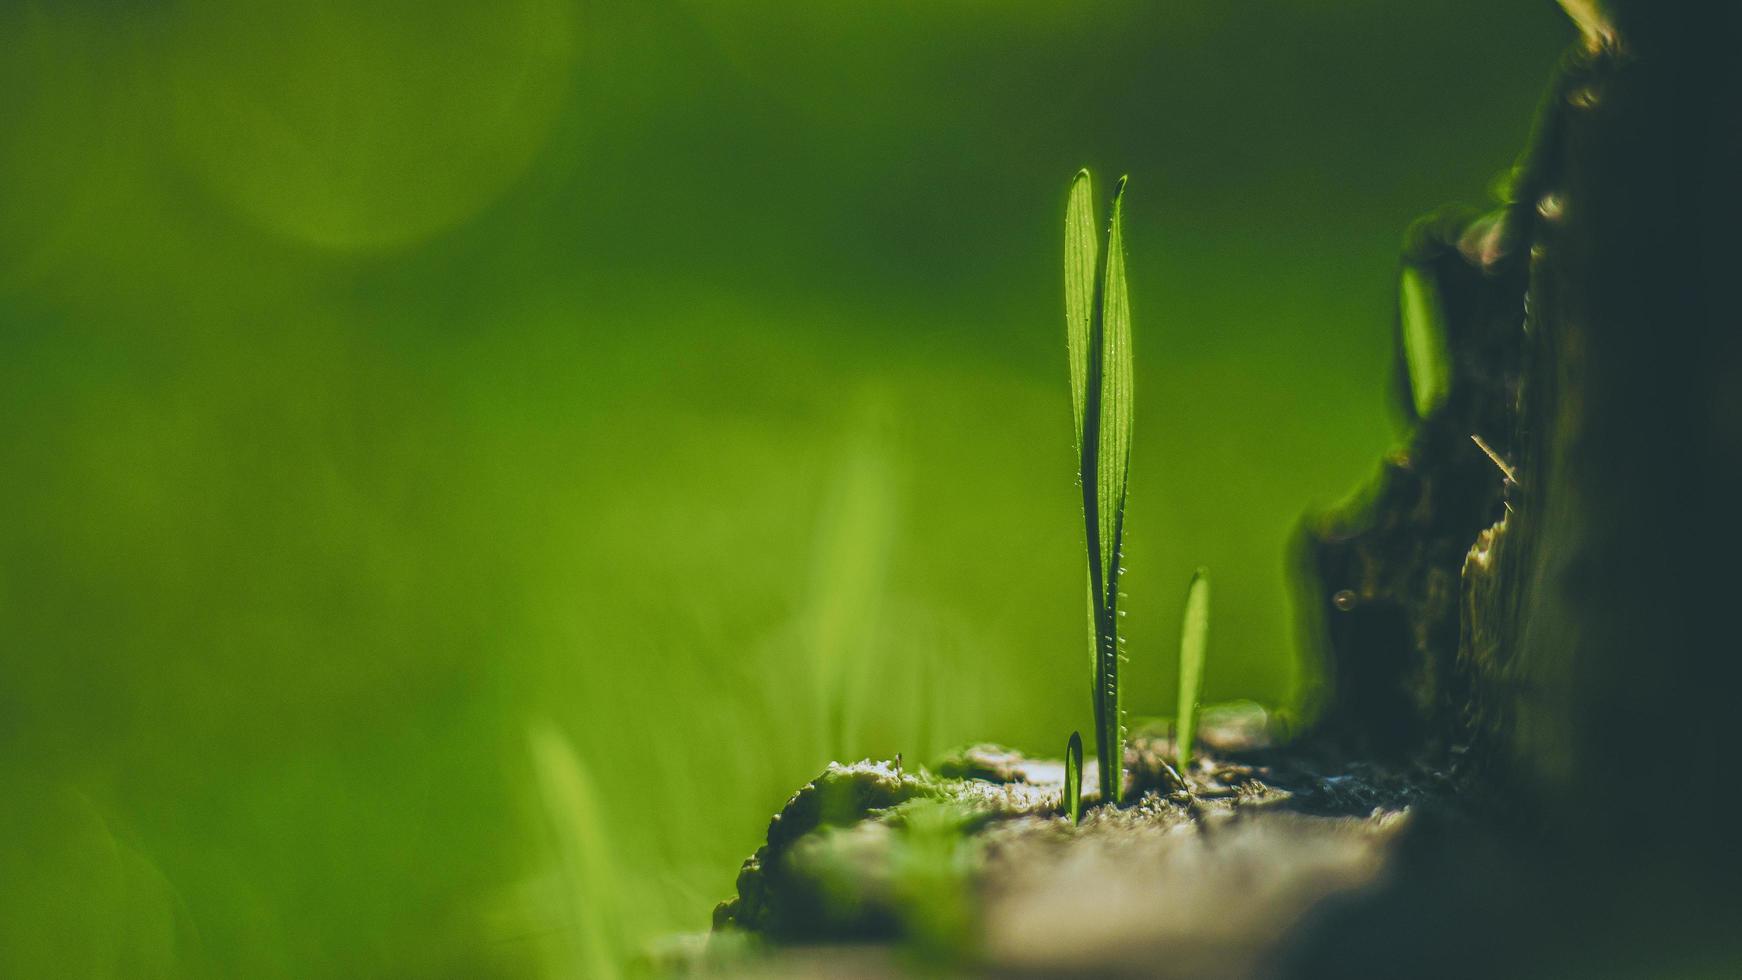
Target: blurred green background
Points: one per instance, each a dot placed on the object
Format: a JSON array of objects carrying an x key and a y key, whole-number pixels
[{"x": 464, "y": 464}]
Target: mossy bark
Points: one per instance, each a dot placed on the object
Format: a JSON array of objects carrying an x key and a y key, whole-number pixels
[{"x": 976, "y": 863}]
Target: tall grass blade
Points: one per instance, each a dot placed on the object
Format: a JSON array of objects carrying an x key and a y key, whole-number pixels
[
  {"x": 1194, "y": 644},
  {"x": 1111, "y": 389}
]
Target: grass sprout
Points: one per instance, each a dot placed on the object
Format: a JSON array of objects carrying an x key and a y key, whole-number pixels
[
  {"x": 1194, "y": 644},
  {"x": 1098, "y": 334},
  {"x": 1074, "y": 778}
]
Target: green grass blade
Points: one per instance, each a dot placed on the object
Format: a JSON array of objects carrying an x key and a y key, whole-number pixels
[
  {"x": 1194, "y": 640},
  {"x": 1424, "y": 341},
  {"x": 1113, "y": 466},
  {"x": 1081, "y": 258},
  {"x": 1114, "y": 456},
  {"x": 1074, "y": 778},
  {"x": 1084, "y": 340}
]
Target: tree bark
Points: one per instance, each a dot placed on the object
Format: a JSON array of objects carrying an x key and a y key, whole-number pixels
[{"x": 1587, "y": 676}]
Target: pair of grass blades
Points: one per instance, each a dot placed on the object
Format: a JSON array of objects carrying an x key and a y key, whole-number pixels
[{"x": 1098, "y": 335}]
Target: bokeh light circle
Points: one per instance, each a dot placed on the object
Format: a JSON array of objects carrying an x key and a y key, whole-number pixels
[{"x": 357, "y": 125}]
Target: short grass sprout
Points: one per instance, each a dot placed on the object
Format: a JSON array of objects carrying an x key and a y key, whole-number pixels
[
  {"x": 1074, "y": 778},
  {"x": 1194, "y": 645}
]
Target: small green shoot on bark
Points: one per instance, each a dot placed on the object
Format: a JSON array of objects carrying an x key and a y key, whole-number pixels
[
  {"x": 1098, "y": 334},
  {"x": 1074, "y": 778},
  {"x": 1194, "y": 641}
]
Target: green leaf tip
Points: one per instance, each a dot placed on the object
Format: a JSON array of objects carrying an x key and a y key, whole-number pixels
[
  {"x": 1098, "y": 339},
  {"x": 1194, "y": 639},
  {"x": 1074, "y": 778},
  {"x": 1082, "y": 256},
  {"x": 1424, "y": 341}
]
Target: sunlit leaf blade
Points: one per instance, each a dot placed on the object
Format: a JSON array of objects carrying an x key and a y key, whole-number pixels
[
  {"x": 1114, "y": 456},
  {"x": 1194, "y": 640},
  {"x": 1081, "y": 256},
  {"x": 1424, "y": 341},
  {"x": 1074, "y": 778}
]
